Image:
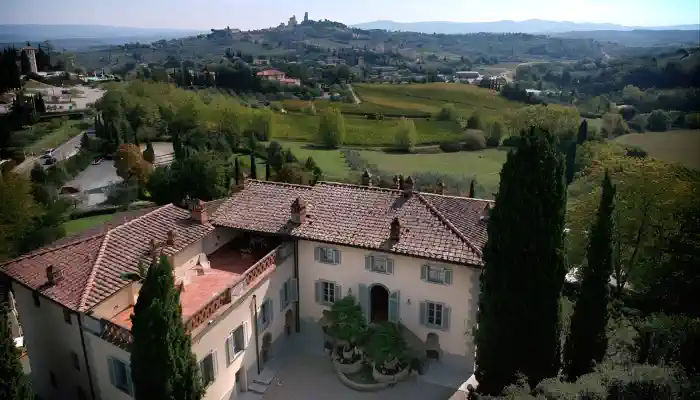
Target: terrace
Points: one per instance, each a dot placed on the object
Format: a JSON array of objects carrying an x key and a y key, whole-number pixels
[{"x": 213, "y": 285}]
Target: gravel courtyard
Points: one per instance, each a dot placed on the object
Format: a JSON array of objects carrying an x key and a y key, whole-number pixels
[{"x": 311, "y": 377}]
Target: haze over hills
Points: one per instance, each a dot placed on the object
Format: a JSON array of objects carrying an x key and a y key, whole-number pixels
[{"x": 527, "y": 26}]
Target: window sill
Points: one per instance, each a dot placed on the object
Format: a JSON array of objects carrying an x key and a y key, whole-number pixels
[{"x": 235, "y": 357}]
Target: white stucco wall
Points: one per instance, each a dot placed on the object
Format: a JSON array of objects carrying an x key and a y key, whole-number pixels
[
  {"x": 461, "y": 295},
  {"x": 50, "y": 340},
  {"x": 213, "y": 339}
]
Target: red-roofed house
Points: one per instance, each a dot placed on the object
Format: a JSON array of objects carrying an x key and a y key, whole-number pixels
[
  {"x": 279, "y": 76},
  {"x": 253, "y": 269}
]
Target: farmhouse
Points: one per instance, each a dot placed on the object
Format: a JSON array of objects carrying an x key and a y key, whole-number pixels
[{"x": 255, "y": 270}]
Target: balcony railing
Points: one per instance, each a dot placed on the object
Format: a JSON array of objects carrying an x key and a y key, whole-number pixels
[{"x": 121, "y": 337}]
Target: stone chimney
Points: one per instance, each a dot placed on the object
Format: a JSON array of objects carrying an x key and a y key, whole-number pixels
[
  {"x": 198, "y": 212},
  {"x": 440, "y": 187},
  {"x": 396, "y": 184},
  {"x": 395, "y": 233},
  {"x": 408, "y": 187},
  {"x": 153, "y": 247},
  {"x": 366, "y": 178},
  {"x": 298, "y": 211},
  {"x": 53, "y": 275},
  {"x": 171, "y": 238}
]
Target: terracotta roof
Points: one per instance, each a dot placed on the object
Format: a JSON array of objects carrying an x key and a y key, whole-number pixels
[
  {"x": 361, "y": 216},
  {"x": 92, "y": 265}
]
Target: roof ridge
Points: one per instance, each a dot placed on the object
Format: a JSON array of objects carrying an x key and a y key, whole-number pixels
[
  {"x": 50, "y": 249},
  {"x": 93, "y": 272},
  {"x": 356, "y": 186},
  {"x": 278, "y": 183},
  {"x": 457, "y": 197},
  {"x": 449, "y": 224}
]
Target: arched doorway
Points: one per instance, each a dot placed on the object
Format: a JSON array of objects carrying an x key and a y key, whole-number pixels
[
  {"x": 289, "y": 322},
  {"x": 379, "y": 303}
]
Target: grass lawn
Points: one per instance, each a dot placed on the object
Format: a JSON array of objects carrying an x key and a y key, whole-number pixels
[
  {"x": 681, "y": 146},
  {"x": 79, "y": 225},
  {"x": 431, "y": 97},
  {"x": 485, "y": 165},
  {"x": 57, "y": 136},
  {"x": 363, "y": 132},
  {"x": 332, "y": 162}
]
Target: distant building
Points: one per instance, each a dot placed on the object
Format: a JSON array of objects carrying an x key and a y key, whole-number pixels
[
  {"x": 467, "y": 74},
  {"x": 279, "y": 76},
  {"x": 30, "y": 53}
]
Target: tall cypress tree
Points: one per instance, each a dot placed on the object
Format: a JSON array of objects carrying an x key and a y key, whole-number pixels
[
  {"x": 162, "y": 363},
  {"x": 236, "y": 171},
  {"x": 253, "y": 167},
  {"x": 570, "y": 162},
  {"x": 586, "y": 343},
  {"x": 472, "y": 192},
  {"x": 13, "y": 386},
  {"x": 267, "y": 171},
  {"x": 524, "y": 269},
  {"x": 582, "y": 132}
]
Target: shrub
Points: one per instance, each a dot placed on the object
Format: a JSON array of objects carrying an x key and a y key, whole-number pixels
[
  {"x": 450, "y": 147},
  {"x": 474, "y": 121},
  {"x": 692, "y": 121},
  {"x": 511, "y": 141},
  {"x": 447, "y": 113},
  {"x": 474, "y": 140},
  {"x": 658, "y": 121},
  {"x": 331, "y": 129},
  {"x": 638, "y": 123},
  {"x": 636, "y": 152},
  {"x": 405, "y": 137},
  {"x": 495, "y": 135}
]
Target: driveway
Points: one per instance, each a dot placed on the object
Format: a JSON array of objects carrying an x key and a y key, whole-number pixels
[{"x": 308, "y": 376}]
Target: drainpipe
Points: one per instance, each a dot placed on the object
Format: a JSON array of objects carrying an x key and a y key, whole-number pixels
[
  {"x": 87, "y": 361},
  {"x": 296, "y": 275},
  {"x": 255, "y": 327}
]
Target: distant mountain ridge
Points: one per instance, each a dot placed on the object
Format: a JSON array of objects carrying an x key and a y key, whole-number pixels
[
  {"x": 527, "y": 26},
  {"x": 34, "y": 32}
]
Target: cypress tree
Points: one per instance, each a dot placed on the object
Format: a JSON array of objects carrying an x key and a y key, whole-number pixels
[
  {"x": 39, "y": 103},
  {"x": 518, "y": 318},
  {"x": 162, "y": 363},
  {"x": 570, "y": 162},
  {"x": 582, "y": 132},
  {"x": 471, "y": 189},
  {"x": 586, "y": 343},
  {"x": 267, "y": 171},
  {"x": 236, "y": 171},
  {"x": 13, "y": 385},
  {"x": 149, "y": 154},
  {"x": 253, "y": 167}
]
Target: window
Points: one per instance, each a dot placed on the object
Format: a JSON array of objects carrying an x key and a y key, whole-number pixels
[
  {"x": 288, "y": 293},
  {"x": 382, "y": 265},
  {"x": 207, "y": 369},
  {"x": 265, "y": 315},
  {"x": 66, "y": 316},
  {"x": 52, "y": 377},
  {"x": 120, "y": 375},
  {"x": 327, "y": 255},
  {"x": 236, "y": 343},
  {"x": 434, "y": 274},
  {"x": 35, "y": 297},
  {"x": 435, "y": 315},
  {"x": 75, "y": 359},
  {"x": 327, "y": 292}
]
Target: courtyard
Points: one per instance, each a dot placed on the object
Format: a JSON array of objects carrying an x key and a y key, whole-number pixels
[{"x": 307, "y": 376}]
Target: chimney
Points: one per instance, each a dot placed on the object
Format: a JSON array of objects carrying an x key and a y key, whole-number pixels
[
  {"x": 153, "y": 246},
  {"x": 198, "y": 212},
  {"x": 366, "y": 178},
  {"x": 440, "y": 187},
  {"x": 53, "y": 275},
  {"x": 486, "y": 211},
  {"x": 396, "y": 182},
  {"x": 400, "y": 182},
  {"x": 298, "y": 211},
  {"x": 408, "y": 187},
  {"x": 395, "y": 233},
  {"x": 171, "y": 238}
]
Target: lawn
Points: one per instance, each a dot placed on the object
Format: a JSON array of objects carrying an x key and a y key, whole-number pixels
[
  {"x": 55, "y": 137},
  {"x": 431, "y": 97},
  {"x": 331, "y": 162},
  {"x": 681, "y": 146},
  {"x": 79, "y": 225},
  {"x": 361, "y": 131}
]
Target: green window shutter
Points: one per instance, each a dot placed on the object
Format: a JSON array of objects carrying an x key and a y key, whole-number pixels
[
  {"x": 228, "y": 346},
  {"x": 368, "y": 262},
  {"x": 389, "y": 266},
  {"x": 448, "y": 276},
  {"x": 336, "y": 256},
  {"x": 318, "y": 286},
  {"x": 293, "y": 289},
  {"x": 338, "y": 292},
  {"x": 394, "y": 304},
  {"x": 363, "y": 299},
  {"x": 423, "y": 310},
  {"x": 246, "y": 334},
  {"x": 445, "y": 318},
  {"x": 272, "y": 312},
  {"x": 424, "y": 272},
  {"x": 112, "y": 374},
  {"x": 317, "y": 254}
]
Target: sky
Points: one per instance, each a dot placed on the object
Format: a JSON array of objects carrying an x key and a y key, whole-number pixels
[{"x": 255, "y": 14}]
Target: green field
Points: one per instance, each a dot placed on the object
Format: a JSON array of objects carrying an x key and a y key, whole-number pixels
[
  {"x": 57, "y": 136},
  {"x": 363, "y": 132},
  {"x": 682, "y": 146},
  {"x": 79, "y": 225},
  {"x": 331, "y": 162},
  {"x": 431, "y": 97}
]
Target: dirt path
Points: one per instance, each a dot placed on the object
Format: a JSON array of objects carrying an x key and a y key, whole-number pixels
[{"x": 354, "y": 96}]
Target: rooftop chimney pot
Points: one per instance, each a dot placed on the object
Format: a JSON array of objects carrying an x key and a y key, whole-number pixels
[
  {"x": 198, "y": 212},
  {"x": 401, "y": 182},
  {"x": 171, "y": 238},
  {"x": 396, "y": 185},
  {"x": 441, "y": 187},
  {"x": 298, "y": 209},
  {"x": 366, "y": 178},
  {"x": 395, "y": 233},
  {"x": 408, "y": 187},
  {"x": 53, "y": 275}
]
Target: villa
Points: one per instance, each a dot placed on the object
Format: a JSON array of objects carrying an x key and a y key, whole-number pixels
[{"x": 256, "y": 270}]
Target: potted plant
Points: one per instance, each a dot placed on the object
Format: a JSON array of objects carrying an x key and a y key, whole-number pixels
[
  {"x": 388, "y": 350},
  {"x": 347, "y": 325}
]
